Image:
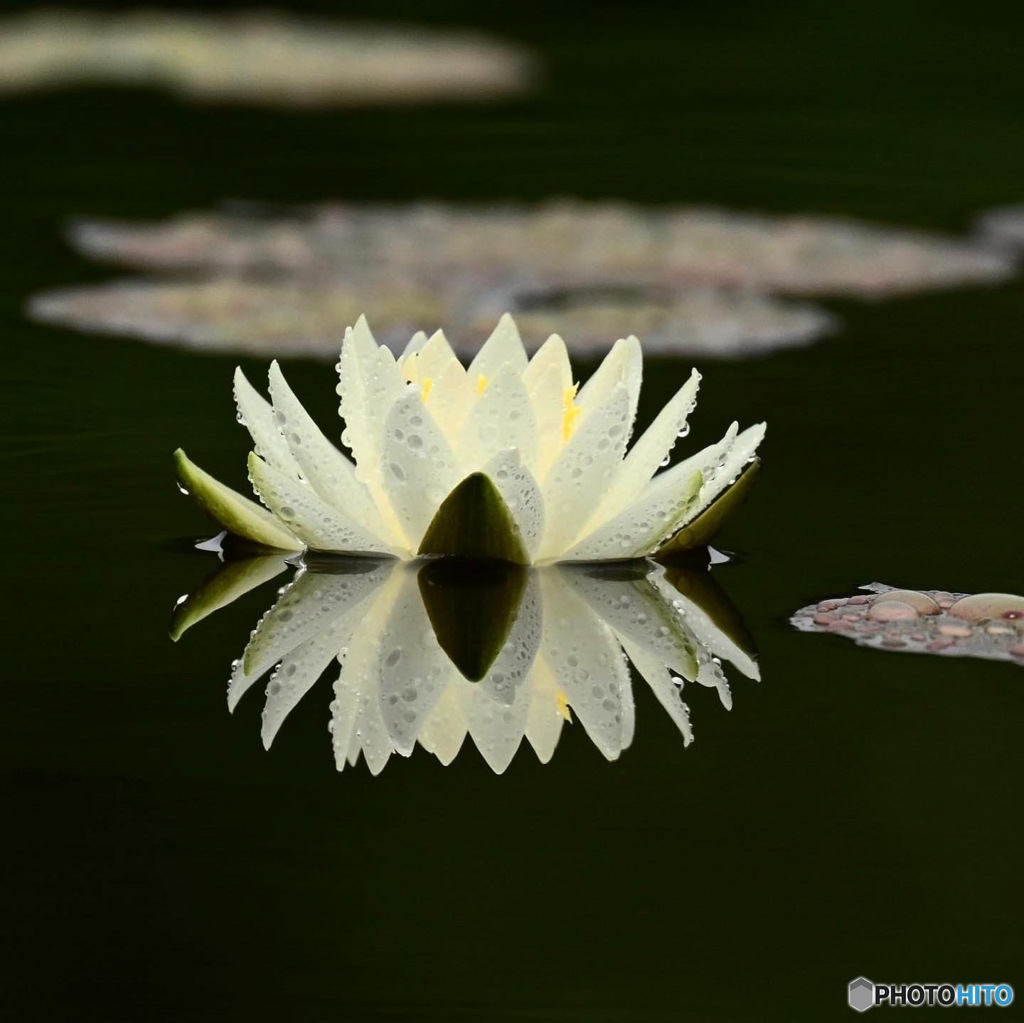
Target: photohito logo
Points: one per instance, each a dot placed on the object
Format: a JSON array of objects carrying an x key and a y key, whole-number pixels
[{"x": 864, "y": 994}]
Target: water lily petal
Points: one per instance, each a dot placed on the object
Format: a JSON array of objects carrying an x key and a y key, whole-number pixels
[
  {"x": 622, "y": 365},
  {"x": 449, "y": 397},
  {"x": 256, "y": 415},
  {"x": 298, "y": 672},
  {"x": 727, "y": 466},
  {"x": 444, "y": 731},
  {"x": 648, "y": 453},
  {"x": 356, "y": 713},
  {"x": 544, "y": 724},
  {"x": 411, "y": 350},
  {"x": 496, "y": 728},
  {"x": 637, "y": 611},
  {"x": 436, "y": 356},
  {"x": 317, "y": 524},
  {"x": 236, "y": 513},
  {"x": 501, "y": 417},
  {"x": 369, "y": 384},
  {"x": 497, "y": 709},
  {"x": 418, "y": 464},
  {"x": 412, "y": 668},
  {"x": 589, "y": 667},
  {"x": 504, "y": 346},
  {"x": 308, "y": 604},
  {"x": 702, "y": 627},
  {"x": 639, "y": 529},
  {"x": 583, "y": 469},
  {"x": 667, "y": 692},
  {"x": 666, "y": 504},
  {"x": 328, "y": 471},
  {"x": 551, "y": 355}
]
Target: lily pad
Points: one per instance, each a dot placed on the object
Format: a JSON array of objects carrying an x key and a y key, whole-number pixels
[
  {"x": 984, "y": 625},
  {"x": 474, "y": 522}
]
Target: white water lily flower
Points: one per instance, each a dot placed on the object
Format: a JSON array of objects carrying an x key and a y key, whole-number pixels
[{"x": 505, "y": 459}]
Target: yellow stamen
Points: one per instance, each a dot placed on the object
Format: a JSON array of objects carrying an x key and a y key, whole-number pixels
[
  {"x": 570, "y": 411},
  {"x": 563, "y": 707},
  {"x": 481, "y": 384},
  {"x": 428, "y": 383}
]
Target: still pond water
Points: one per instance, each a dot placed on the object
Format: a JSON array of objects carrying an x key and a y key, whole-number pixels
[{"x": 856, "y": 812}]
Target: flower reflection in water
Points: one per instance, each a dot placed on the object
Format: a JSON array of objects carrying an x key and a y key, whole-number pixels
[{"x": 433, "y": 651}]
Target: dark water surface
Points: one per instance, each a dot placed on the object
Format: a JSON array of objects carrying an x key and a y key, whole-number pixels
[{"x": 855, "y": 813}]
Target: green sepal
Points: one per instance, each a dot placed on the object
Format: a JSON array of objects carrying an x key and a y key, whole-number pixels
[
  {"x": 702, "y": 529},
  {"x": 231, "y": 580},
  {"x": 472, "y": 607},
  {"x": 236, "y": 513},
  {"x": 474, "y": 522}
]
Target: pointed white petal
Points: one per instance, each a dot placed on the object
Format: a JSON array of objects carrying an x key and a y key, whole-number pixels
[
  {"x": 667, "y": 692},
  {"x": 666, "y": 504},
  {"x": 551, "y": 355},
  {"x": 503, "y": 347},
  {"x": 640, "y": 612},
  {"x": 370, "y": 383},
  {"x": 255, "y": 413},
  {"x": 327, "y": 470},
  {"x": 358, "y": 681},
  {"x": 501, "y": 417},
  {"x": 445, "y": 729},
  {"x": 496, "y": 728},
  {"x": 544, "y": 724},
  {"x": 649, "y": 453},
  {"x": 318, "y": 525},
  {"x": 622, "y": 365},
  {"x": 437, "y": 356},
  {"x": 412, "y": 667},
  {"x": 297, "y": 674},
  {"x": 701, "y": 626},
  {"x": 583, "y": 469},
  {"x": 730, "y": 460},
  {"x": 420, "y": 468},
  {"x": 308, "y": 605},
  {"x": 548, "y": 399},
  {"x": 344, "y": 711},
  {"x": 497, "y": 708},
  {"x": 521, "y": 494},
  {"x": 450, "y": 398},
  {"x": 640, "y": 529},
  {"x": 589, "y": 666},
  {"x": 416, "y": 343}
]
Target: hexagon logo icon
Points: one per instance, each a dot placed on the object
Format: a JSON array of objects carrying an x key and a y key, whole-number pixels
[{"x": 862, "y": 994}]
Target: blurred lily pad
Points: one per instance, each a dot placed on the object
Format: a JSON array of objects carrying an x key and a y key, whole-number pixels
[{"x": 256, "y": 57}]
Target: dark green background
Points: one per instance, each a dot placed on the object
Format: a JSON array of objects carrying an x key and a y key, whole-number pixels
[{"x": 856, "y": 813}]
